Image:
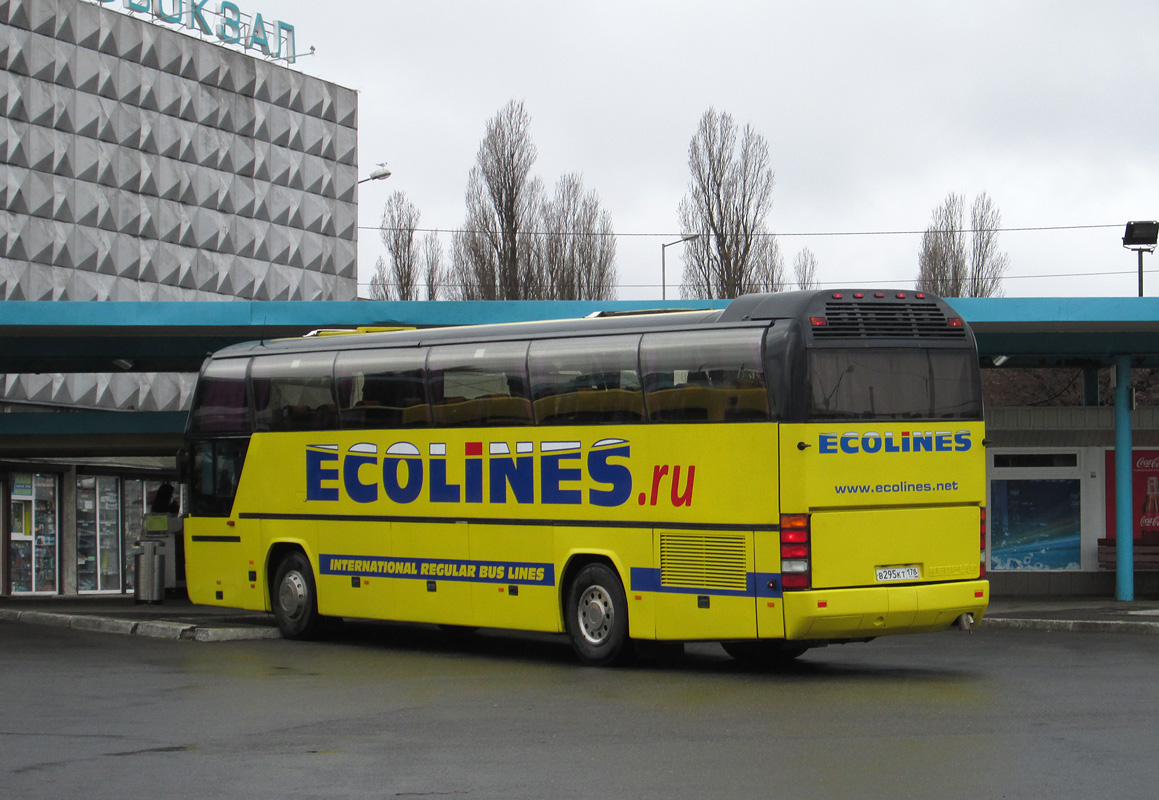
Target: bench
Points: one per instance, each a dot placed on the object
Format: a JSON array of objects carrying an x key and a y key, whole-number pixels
[{"x": 1146, "y": 553}]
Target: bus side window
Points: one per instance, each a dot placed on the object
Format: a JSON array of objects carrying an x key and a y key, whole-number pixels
[
  {"x": 382, "y": 388},
  {"x": 479, "y": 384},
  {"x": 221, "y": 404},
  {"x": 293, "y": 392},
  {"x": 585, "y": 381},
  {"x": 705, "y": 376},
  {"x": 217, "y": 466}
]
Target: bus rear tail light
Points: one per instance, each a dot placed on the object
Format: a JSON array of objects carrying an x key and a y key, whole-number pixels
[
  {"x": 982, "y": 545},
  {"x": 796, "y": 566}
]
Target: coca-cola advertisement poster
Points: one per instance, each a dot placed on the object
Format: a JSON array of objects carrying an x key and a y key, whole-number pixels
[{"x": 1144, "y": 493}]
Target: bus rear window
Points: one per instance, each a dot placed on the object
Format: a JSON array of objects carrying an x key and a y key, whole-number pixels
[
  {"x": 220, "y": 404},
  {"x": 894, "y": 383}
]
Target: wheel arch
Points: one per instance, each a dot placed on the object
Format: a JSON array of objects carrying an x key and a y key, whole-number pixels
[
  {"x": 274, "y": 555},
  {"x": 577, "y": 561}
]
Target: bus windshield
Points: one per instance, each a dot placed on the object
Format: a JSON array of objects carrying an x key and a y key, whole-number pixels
[{"x": 893, "y": 383}]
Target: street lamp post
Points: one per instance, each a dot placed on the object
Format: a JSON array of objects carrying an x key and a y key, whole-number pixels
[
  {"x": 688, "y": 237},
  {"x": 1141, "y": 237},
  {"x": 381, "y": 173}
]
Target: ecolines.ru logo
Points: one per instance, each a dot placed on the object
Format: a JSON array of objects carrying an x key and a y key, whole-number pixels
[
  {"x": 403, "y": 474},
  {"x": 906, "y": 442}
]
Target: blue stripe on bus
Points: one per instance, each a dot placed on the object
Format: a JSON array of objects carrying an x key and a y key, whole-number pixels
[
  {"x": 444, "y": 569},
  {"x": 757, "y": 584}
]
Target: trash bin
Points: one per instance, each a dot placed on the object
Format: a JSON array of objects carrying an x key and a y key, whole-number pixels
[{"x": 150, "y": 584}]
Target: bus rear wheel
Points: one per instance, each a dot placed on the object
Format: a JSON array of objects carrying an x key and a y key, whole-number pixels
[
  {"x": 596, "y": 616},
  {"x": 295, "y": 599},
  {"x": 766, "y": 653}
]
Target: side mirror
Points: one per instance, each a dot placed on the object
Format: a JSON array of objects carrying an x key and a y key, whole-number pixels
[{"x": 184, "y": 468}]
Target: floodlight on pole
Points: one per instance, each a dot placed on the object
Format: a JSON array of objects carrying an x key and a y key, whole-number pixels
[
  {"x": 381, "y": 173},
  {"x": 688, "y": 237},
  {"x": 1141, "y": 237}
]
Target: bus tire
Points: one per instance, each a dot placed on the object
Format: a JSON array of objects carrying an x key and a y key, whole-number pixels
[
  {"x": 295, "y": 599},
  {"x": 457, "y": 631},
  {"x": 766, "y": 653},
  {"x": 596, "y": 616}
]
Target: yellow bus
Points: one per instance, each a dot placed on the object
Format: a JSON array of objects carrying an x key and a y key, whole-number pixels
[{"x": 794, "y": 470}]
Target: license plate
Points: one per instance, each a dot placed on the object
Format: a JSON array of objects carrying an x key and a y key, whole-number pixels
[{"x": 890, "y": 574}]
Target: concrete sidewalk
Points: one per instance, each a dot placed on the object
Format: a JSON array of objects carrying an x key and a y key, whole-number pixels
[
  {"x": 180, "y": 619},
  {"x": 173, "y": 619},
  {"x": 1073, "y": 615}
]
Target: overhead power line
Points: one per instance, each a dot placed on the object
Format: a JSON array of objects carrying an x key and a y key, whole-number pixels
[
  {"x": 638, "y": 234},
  {"x": 880, "y": 282}
]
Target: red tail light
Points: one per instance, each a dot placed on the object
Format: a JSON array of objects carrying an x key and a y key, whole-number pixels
[
  {"x": 796, "y": 568},
  {"x": 982, "y": 545}
]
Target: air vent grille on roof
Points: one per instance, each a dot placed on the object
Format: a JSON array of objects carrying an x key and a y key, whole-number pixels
[{"x": 889, "y": 320}]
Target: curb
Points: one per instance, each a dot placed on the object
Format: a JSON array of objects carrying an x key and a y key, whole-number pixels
[
  {"x": 154, "y": 629},
  {"x": 163, "y": 629},
  {"x": 1071, "y": 625}
]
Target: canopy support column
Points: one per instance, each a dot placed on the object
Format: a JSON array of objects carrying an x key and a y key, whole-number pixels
[
  {"x": 1124, "y": 504},
  {"x": 1090, "y": 386}
]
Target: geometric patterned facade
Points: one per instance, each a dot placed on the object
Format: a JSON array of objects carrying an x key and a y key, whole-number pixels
[{"x": 141, "y": 163}]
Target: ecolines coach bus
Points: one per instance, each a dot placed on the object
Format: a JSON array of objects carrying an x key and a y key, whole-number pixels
[{"x": 793, "y": 470}]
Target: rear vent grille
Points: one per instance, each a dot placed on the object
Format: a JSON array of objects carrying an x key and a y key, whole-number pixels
[
  {"x": 708, "y": 561},
  {"x": 888, "y": 320}
]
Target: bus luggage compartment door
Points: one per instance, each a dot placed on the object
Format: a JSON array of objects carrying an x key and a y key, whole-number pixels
[
  {"x": 880, "y": 547},
  {"x": 705, "y": 589}
]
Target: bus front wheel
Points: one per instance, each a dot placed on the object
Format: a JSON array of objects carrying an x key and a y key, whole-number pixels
[
  {"x": 596, "y": 616},
  {"x": 295, "y": 599}
]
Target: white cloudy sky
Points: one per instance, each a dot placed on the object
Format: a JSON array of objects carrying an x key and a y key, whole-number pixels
[{"x": 873, "y": 112}]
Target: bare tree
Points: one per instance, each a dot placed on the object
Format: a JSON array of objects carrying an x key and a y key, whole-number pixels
[
  {"x": 805, "y": 269},
  {"x": 950, "y": 267},
  {"x": 577, "y": 249},
  {"x": 987, "y": 265},
  {"x": 434, "y": 272},
  {"x": 491, "y": 256},
  {"x": 729, "y": 195},
  {"x": 396, "y": 276},
  {"x": 380, "y": 281}
]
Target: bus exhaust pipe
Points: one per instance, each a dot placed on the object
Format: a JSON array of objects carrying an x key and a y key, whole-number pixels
[{"x": 965, "y": 622}]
